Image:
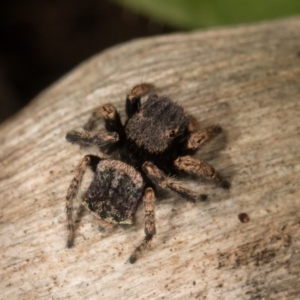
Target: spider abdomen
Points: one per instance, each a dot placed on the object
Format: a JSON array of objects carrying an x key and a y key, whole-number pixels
[{"x": 115, "y": 192}]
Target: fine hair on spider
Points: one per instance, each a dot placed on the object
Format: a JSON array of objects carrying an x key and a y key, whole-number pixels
[{"x": 155, "y": 143}]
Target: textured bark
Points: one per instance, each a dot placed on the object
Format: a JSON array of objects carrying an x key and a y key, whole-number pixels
[{"x": 247, "y": 80}]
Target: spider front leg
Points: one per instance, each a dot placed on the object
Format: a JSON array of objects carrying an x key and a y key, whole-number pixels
[
  {"x": 198, "y": 138},
  {"x": 111, "y": 118},
  {"x": 150, "y": 230},
  {"x": 198, "y": 167},
  {"x": 133, "y": 99},
  {"x": 159, "y": 178},
  {"x": 88, "y": 161}
]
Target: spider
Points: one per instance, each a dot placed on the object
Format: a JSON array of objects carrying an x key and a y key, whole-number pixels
[{"x": 158, "y": 138}]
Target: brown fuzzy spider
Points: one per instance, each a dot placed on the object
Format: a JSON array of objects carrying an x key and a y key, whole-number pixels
[{"x": 158, "y": 138}]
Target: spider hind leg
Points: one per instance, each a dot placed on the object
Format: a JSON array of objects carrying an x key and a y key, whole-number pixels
[
  {"x": 73, "y": 190},
  {"x": 150, "y": 230}
]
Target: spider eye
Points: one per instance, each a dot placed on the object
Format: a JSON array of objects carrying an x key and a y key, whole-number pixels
[{"x": 172, "y": 133}]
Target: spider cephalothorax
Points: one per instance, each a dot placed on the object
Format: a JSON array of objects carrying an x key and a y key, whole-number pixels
[
  {"x": 158, "y": 138},
  {"x": 160, "y": 120}
]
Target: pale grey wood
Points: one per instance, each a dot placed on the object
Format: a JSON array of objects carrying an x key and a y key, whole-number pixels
[{"x": 246, "y": 79}]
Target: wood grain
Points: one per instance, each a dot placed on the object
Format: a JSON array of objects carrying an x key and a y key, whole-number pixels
[{"x": 246, "y": 79}]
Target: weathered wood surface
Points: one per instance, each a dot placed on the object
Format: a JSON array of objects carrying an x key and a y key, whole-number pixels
[{"x": 246, "y": 79}]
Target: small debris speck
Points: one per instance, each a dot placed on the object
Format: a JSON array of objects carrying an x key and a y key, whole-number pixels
[{"x": 244, "y": 218}]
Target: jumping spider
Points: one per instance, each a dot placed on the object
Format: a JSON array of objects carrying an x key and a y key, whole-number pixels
[{"x": 158, "y": 138}]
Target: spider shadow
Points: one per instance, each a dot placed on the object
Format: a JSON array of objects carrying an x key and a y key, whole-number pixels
[{"x": 212, "y": 154}]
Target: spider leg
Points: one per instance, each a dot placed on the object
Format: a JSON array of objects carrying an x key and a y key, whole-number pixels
[
  {"x": 198, "y": 167},
  {"x": 88, "y": 161},
  {"x": 159, "y": 178},
  {"x": 198, "y": 138},
  {"x": 85, "y": 138},
  {"x": 111, "y": 118},
  {"x": 150, "y": 230},
  {"x": 133, "y": 99}
]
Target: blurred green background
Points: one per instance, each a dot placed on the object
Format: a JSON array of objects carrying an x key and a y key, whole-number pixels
[
  {"x": 191, "y": 14},
  {"x": 41, "y": 40}
]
